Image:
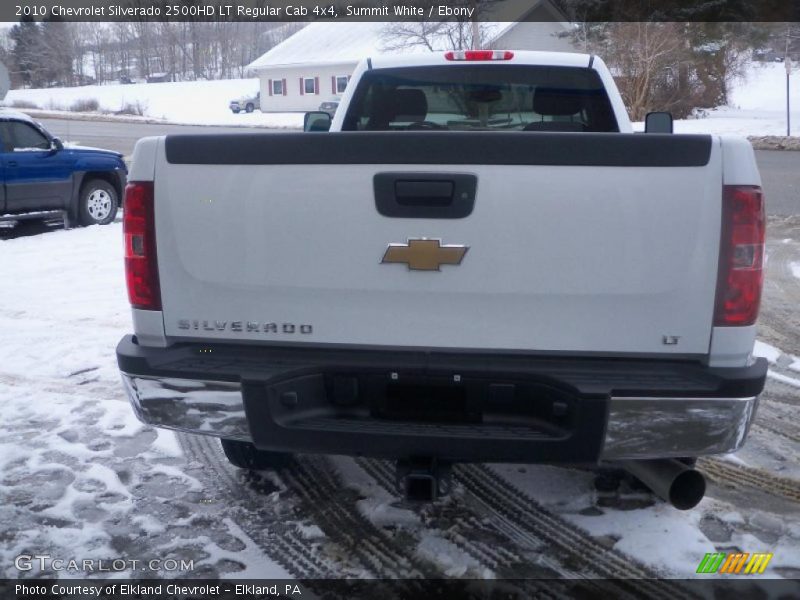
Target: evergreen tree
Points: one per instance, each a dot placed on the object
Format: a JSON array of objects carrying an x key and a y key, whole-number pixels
[{"x": 27, "y": 51}]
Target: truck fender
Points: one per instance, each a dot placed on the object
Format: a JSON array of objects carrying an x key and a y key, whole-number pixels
[{"x": 72, "y": 204}]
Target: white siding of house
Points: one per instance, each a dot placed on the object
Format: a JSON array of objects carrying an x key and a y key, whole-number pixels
[
  {"x": 535, "y": 36},
  {"x": 293, "y": 101}
]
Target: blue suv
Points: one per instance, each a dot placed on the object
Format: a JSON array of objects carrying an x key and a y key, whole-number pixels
[{"x": 41, "y": 178}]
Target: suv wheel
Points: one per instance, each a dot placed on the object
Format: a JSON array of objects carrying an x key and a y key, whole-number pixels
[
  {"x": 249, "y": 108},
  {"x": 98, "y": 202},
  {"x": 246, "y": 456}
]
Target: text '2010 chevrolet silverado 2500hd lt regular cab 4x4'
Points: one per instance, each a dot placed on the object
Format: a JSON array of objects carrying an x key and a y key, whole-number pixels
[{"x": 479, "y": 262}]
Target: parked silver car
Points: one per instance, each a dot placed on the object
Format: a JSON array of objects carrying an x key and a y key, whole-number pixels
[
  {"x": 246, "y": 103},
  {"x": 330, "y": 105}
]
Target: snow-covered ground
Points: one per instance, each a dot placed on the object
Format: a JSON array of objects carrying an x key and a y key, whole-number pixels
[
  {"x": 191, "y": 102},
  {"x": 74, "y": 460},
  {"x": 757, "y": 105},
  {"x": 773, "y": 355}
]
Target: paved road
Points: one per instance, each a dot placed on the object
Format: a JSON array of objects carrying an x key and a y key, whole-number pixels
[
  {"x": 121, "y": 136},
  {"x": 780, "y": 171},
  {"x": 780, "y": 176}
]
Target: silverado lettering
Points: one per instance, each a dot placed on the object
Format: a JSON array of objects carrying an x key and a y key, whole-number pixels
[{"x": 244, "y": 326}]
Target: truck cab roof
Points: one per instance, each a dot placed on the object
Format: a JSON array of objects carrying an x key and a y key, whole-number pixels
[
  {"x": 520, "y": 57},
  {"x": 9, "y": 113}
]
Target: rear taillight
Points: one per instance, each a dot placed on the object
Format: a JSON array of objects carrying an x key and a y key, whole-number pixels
[
  {"x": 741, "y": 258},
  {"x": 139, "y": 230},
  {"x": 479, "y": 55}
]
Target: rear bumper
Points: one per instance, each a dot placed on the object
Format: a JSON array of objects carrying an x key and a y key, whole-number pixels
[{"x": 485, "y": 407}]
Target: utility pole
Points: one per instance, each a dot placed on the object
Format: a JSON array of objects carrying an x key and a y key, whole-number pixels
[
  {"x": 788, "y": 103},
  {"x": 476, "y": 27},
  {"x": 788, "y": 64}
]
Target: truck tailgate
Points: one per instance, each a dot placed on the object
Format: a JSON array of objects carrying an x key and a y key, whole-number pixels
[{"x": 576, "y": 242}]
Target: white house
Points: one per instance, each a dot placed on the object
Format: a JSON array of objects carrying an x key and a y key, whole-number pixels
[{"x": 315, "y": 63}]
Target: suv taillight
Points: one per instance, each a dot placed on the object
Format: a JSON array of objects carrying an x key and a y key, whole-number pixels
[
  {"x": 139, "y": 230},
  {"x": 741, "y": 257}
]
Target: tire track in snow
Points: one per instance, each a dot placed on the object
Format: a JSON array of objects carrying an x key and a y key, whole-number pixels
[
  {"x": 312, "y": 481},
  {"x": 527, "y": 524},
  {"x": 730, "y": 474},
  {"x": 504, "y": 560},
  {"x": 529, "y": 517},
  {"x": 281, "y": 543},
  {"x": 774, "y": 428}
]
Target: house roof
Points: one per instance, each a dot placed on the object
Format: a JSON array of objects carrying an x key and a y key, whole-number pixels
[
  {"x": 345, "y": 42},
  {"x": 325, "y": 43}
]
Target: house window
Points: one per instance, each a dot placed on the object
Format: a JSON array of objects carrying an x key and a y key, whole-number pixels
[
  {"x": 308, "y": 85},
  {"x": 341, "y": 83},
  {"x": 277, "y": 87}
]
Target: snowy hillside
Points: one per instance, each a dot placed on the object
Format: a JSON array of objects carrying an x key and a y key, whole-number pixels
[
  {"x": 190, "y": 102},
  {"x": 757, "y": 105}
]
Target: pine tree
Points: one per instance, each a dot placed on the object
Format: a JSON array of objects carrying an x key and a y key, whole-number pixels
[{"x": 27, "y": 50}]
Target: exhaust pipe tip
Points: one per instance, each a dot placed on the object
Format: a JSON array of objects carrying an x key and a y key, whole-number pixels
[
  {"x": 687, "y": 489},
  {"x": 670, "y": 479}
]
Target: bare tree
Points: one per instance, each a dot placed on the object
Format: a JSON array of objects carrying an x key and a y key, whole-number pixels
[
  {"x": 57, "y": 52},
  {"x": 67, "y": 53},
  {"x": 456, "y": 33},
  {"x": 674, "y": 66},
  {"x": 124, "y": 34},
  {"x": 641, "y": 55}
]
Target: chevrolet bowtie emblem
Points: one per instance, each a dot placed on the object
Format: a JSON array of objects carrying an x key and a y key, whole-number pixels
[{"x": 424, "y": 254}]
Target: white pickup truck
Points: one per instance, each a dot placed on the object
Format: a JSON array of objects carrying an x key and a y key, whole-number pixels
[{"x": 480, "y": 261}]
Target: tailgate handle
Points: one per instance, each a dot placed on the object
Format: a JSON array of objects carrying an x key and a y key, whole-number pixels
[
  {"x": 418, "y": 193},
  {"x": 425, "y": 195}
]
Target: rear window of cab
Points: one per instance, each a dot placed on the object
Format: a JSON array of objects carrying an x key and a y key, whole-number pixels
[{"x": 481, "y": 97}]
